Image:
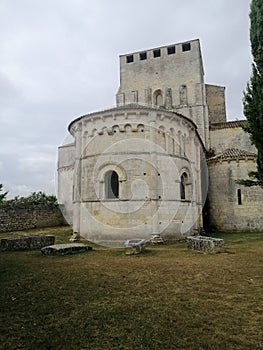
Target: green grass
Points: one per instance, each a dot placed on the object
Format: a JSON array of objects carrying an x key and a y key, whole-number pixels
[{"x": 167, "y": 298}]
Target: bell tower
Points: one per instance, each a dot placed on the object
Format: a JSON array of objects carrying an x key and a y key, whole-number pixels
[{"x": 168, "y": 77}]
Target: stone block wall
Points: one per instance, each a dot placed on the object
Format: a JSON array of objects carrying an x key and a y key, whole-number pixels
[
  {"x": 215, "y": 98},
  {"x": 233, "y": 207},
  {"x": 21, "y": 219},
  {"x": 230, "y": 135},
  {"x": 26, "y": 242}
]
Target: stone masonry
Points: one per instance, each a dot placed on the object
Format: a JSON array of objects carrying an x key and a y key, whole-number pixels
[
  {"x": 20, "y": 219},
  {"x": 139, "y": 170}
]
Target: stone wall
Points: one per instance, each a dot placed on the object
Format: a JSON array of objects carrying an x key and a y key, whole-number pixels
[
  {"x": 215, "y": 99},
  {"x": 230, "y": 135},
  {"x": 20, "y": 219},
  {"x": 233, "y": 207},
  {"x": 26, "y": 242}
]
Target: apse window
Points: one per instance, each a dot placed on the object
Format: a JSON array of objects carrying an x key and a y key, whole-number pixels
[
  {"x": 129, "y": 59},
  {"x": 111, "y": 185},
  {"x": 157, "y": 53},
  {"x": 239, "y": 197},
  {"x": 186, "y": 47},
  {"x": 171, "y": 50},
  {"x": 143, "y": 56},
  {"x": 183, "y": 182}
]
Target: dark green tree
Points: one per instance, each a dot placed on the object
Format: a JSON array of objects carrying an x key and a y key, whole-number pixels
[
  {"x": 2, "y": 195},
  {"x": 253, "y": 96},
  {"x": 35, "y": 198}
]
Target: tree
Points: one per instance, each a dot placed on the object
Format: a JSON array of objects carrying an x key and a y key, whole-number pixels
[
  {"x": 35, "y": 198},
  {"x": 2, "y": 195},
  {"x": 253, "y": 97}
]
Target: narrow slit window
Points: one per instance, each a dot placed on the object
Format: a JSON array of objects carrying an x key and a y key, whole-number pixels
[
  {"x": 157, "y": 53},
  {"x": 171, "y": 50},
  {"x": 186, "y": 47},
  {"x": 129, "y": 58},
  {"x": 143, "y": 56},
  {"x": 239, "y": 197},
  {"x": 111, "y": 185}
]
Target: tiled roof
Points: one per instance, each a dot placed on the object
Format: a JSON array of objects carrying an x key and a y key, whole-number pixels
[
  {"x": 227, "y": 125},
  {"x": 233, "y": 154}
]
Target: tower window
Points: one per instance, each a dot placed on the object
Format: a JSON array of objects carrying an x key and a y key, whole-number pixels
[
  {"x": 129, "y": 58},
  {"x": 170, "y": 50},
  {"x": 111, "y": 185},
  {"x": 143, "y": 56},
  {"x": 158, "y": 98},
  {"x": 186, "y": 47},
  {"x": 157, "y": 53},
  {"x": 239, "y": 197}
]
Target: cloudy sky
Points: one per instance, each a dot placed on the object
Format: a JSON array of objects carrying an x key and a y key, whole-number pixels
[{"x": 59, "y": 60}]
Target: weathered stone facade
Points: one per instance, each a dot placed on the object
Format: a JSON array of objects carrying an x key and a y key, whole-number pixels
[
  {"x": 20, "y": 219},
  {"x": 138, "y": 170},
  {"x": 233, "y": 207},
  {"x": 141, "y": 145}
]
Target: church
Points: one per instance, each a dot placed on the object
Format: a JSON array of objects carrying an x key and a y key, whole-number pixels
[{"x": 164, "y": 161}]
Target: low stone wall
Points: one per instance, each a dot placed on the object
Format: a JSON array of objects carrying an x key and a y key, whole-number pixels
[
  {"x": 21, "y": 219},
  {"x": 26, "y": 242}
]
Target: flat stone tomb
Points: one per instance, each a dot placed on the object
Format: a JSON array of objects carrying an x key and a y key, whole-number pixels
[
  {"x": 135, "y": 246},
  {"x": 205, "y": 244},
  {"x": 26, "y": 242},
  {"x": 65, "y": 249}
]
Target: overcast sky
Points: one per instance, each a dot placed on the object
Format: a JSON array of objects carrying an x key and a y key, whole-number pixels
[{"x": 59, "y": 59}]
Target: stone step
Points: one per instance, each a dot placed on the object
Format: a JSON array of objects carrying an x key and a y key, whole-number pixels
[{"x": 65, "y": 249}]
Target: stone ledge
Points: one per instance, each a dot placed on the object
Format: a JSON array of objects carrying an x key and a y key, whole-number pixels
[
  {"x": 205, "y": 244},
  {"x": 65, "y": 249},
  {"x": 26, "y": 242}
]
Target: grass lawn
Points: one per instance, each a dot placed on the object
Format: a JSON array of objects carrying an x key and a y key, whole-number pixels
[{"x": 167, "y": 298}]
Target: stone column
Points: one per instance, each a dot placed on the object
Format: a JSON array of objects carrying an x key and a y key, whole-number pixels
[
  {"x": 168, "y": 98},
  {"x": 154, "y": 176},
  {"x": 148, "y": 96},
  {"x": 77, "y": 183}
]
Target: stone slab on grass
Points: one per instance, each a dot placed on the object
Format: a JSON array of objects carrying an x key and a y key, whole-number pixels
[
  {"x": 134, "y": 246},
  {"x": 65, "y": 249},
  {"x": 157, "y": 239},
  {"x": 205, "y": 244},
  {"x": 26, "y": 242}
]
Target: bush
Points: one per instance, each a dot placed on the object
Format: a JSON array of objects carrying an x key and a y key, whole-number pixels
[{"x": 35, "y": 198}]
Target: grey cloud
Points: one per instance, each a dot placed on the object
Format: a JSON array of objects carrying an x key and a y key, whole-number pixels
[{"x": 59, "y": 60}]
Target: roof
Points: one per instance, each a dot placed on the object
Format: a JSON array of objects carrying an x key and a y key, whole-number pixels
[
  {"x": 233, "y": 154},
  {"x": 227, "y": 125}
]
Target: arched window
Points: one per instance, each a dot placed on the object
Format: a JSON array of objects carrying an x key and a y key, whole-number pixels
[
  {"x": 183, "y": 182},
  {"x": 158, "y": 98},
  {"x": 111, "y": 185}
]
